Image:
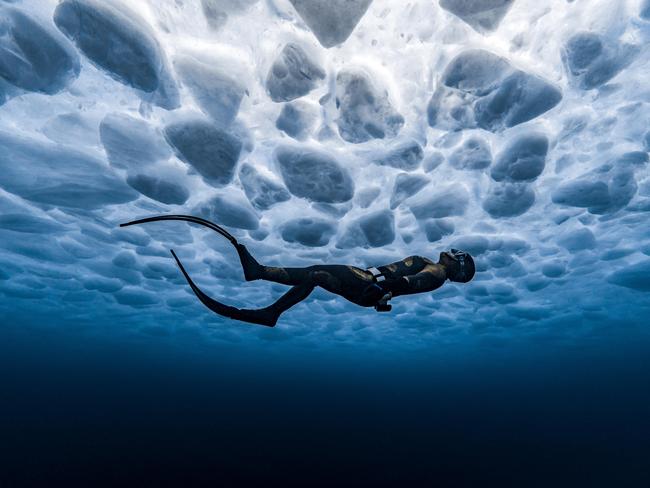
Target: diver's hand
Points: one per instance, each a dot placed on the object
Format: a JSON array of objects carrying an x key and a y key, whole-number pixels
[
  {"x": 372, "y": 294},
  {"x": 397, "y": 286}
]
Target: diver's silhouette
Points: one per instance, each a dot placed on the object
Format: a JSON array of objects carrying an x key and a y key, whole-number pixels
[{"x": 372, "y": 287}]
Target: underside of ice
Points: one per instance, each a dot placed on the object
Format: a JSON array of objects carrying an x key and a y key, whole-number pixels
[
  {"x": 405, "y": 155},
  {"x": 523, "y": 159},
  {"x": 49, "y": 174},
  {"x": 132, "y": 143},
  {"x": 34, "y": 57},
  {"x": 593, "y": 61},
  {"x": 211, "y": 151},
  {"x": 508, "y": 199},
  {"x": 473, "y": 154},
  {"x": 217, "y": 11},
  {"x": 331, "y": 21},
  {"x": 406, "y": 185},
  {"x": 310, "y": 232},
  {"x": 297, "y": 119},
  {"x": 262, "y": 191},
  {"x": 217, "y": 93},
  {"x": 481, "y": 89},
  {"x": 119, "y": 42},
  {"x": 159, "y": 189},
  {"x": 365, "y": 112},
  {"x": 645, "y": 10},
  {"x": 314, "y": 175},
  {"x": 482, "y": 15},
  {"x": 605, "y": 189},
  {"x": 375, "y": 229},
  {"x": 447, "y": 202},
  {"x": 327, "y": 132},
  {"x": 232, "y": 210},
  {"x": 293, "y": 74}
]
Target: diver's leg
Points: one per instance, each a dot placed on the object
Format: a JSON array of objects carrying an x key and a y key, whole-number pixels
[
  {"x": 252, "y": 269},
  {"x": 295, "y": 295},
  {"x": 269, "y": 315},
  {"x": 265, "y": 316},
  {"x": 256, "y": 271},
  {"x": 348, "y": 282}
]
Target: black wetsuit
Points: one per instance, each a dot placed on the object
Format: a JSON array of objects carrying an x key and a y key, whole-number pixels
[{"x": 414, "y": 274}]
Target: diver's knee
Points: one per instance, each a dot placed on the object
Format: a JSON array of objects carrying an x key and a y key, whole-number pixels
[{"x": 316, "y": 278}]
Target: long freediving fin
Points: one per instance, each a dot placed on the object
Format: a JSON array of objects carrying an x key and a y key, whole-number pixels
[
  {"x": 260, "y": 317},
  {"x": 185, "y": 218}
]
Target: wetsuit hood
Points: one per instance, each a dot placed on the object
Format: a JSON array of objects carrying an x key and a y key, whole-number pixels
[{"x": 465, "y": 262}]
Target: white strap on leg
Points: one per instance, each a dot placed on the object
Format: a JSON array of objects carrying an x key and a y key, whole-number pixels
[{"x": 377, "y": 275}]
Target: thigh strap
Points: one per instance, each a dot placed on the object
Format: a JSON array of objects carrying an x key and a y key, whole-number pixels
[{"x": 377, "y": 275}]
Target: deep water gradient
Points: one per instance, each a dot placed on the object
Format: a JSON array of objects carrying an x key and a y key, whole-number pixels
[
  {"x": 83, "y": 410},
  {"x": 325, "y": 131}
]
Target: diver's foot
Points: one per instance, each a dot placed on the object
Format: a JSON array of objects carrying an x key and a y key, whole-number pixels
[
  {"x": 262, "y": 316},
  {"x": 252, "y": 269}
]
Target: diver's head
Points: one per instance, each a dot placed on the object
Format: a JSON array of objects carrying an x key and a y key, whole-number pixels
[{"x": 459, "y": 265}]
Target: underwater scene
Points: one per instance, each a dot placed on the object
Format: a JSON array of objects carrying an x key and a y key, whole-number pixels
[{"x": 325, "y": 243}]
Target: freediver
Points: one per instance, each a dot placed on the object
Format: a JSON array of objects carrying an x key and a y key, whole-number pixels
[{"x": 372, "y": 287}]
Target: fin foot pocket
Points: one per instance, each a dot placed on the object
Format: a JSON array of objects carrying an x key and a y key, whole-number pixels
[{"x": 252, "y": 269}]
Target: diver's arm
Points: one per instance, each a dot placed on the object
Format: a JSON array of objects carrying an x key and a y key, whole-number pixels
[{"x": 429, "y": 279}]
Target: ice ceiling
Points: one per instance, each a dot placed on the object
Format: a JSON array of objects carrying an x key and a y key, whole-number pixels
[{"x": 340, "y": 131}]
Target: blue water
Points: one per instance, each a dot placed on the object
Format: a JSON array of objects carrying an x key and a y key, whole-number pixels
[{"x": 79, "y": 409}]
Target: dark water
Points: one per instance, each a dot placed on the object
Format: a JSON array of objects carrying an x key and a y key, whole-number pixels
[{"x": 78, "y": 410}]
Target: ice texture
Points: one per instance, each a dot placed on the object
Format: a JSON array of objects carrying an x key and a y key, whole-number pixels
[
  {"x": 605, "y": 189},
  {"x": 211, "y": 151},
  {"x": 293, "y": 74},
  {"x": 262, "y": 192},
  {"x": 645, "y": 10},
  {"x": 378, "y": 228},
  {"x": 216, "y": 12},
  {"x": 446, "y": 202},
  {"x": 313, "y": 174},
  {"x": 232, "y": 210},
  {"x": 297, "y": 119},
  {"x": 635, "y": 276},
  {"x": 405, "y": 155},
  {"x": 118, "y": 41},
  {"x": 578, "y": 240},
  {"x": 436, "y": 229},
  {"x": 50, "y": 174},
  {"x": 593, "y": 61},
  {"x": 473, "y": 154},
  {"x": 482, "y": 15},
  {"x": 29, "y": 224},
  {"x": 375, "y": 229},
  {"x": 217, "y": 92},
  {"x": 331, "y": 21},
  {"x": 131, "y": 143},
  {"x": 523, "y": 159},
  {"x": 508, "y": 199},
  {"x": 582, "y": 193},
  {"x": 33, "y": 56},
  {"x": 406, "y": 185},
  {"x": 72, "y": 127},
  {"x": 159, "y": 189},
  {"x": 481, "y": 89},
  {"x": 310, "y": 232},
  {"x": 365, "y": 112},
  {"x": 366, "y": 196}
]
